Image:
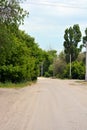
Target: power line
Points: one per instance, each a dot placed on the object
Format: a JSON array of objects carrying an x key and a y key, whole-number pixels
[{"x": 56, "y": 4}]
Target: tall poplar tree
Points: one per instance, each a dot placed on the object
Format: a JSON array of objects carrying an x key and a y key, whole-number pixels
[{"x": 72, "y": 37}]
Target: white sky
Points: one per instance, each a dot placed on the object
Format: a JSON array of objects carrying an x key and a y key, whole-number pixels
[{"x": 48, "y": 20}]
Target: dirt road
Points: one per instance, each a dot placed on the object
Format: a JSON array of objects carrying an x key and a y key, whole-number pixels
[{"x": 50, "y": 104}]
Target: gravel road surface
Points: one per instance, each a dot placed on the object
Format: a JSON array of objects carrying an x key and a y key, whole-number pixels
[{"x": 50, "y": 104}]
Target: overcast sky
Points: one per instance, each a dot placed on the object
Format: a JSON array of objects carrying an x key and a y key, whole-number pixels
[{"x": 48, "y": 20}]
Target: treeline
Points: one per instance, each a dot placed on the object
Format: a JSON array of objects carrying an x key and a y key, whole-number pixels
[
  {"x": 20, "y": 56},
  {"x": 70, "y": 63},
  {"x": 57, "y": 67}
]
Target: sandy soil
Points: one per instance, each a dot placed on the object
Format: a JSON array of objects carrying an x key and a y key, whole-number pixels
[{"x": 51, "y": 104}]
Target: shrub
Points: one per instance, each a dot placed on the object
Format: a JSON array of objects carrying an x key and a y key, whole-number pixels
[
  {"x": 77, "y": 70},
  {"x": 47, "y": 74}
]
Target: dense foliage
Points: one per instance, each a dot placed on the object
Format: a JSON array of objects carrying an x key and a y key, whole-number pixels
[
  {"x": 20, "y": 56},
  {"x": 85, "y": 38},
  {"x": 78, "y": 70},
  {"x": 48, "y": 60}
]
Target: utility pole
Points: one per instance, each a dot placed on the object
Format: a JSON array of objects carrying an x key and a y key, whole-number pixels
[
  {"x": 86, "y": 64},
  {"x": 41, "y": 69},
  {"x": 53, "y": 67},
  {"x": 70, "y": 66}
]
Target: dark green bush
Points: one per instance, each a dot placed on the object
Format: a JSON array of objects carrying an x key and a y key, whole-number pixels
[
  {"x": 47, "y": 74},
  {"x": 12, "y": 73},
  {"x": 18, "y": 61},
  {"x": 77, "y": 70}
]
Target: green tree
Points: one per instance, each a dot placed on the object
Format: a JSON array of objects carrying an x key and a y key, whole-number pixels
[
  {"x": 6, "y": 41},
  {"x": 85, "y": 38},
  {"x": 72, "y": 37},
  {"x": 48, "y": 59},
  {"x": 18, "y": 63},
  {"x": 11, "y": 12}
]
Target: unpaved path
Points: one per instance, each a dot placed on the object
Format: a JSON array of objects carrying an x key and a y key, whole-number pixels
[{"x": 51, "y": 104}]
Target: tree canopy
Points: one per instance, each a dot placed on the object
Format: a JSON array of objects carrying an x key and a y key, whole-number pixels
[
  {"x": 85, "y": 38},
  {"x": 11, "y": 12},
  {"x": 20, "y": 55}
]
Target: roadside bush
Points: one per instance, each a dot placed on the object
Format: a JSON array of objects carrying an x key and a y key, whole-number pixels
[
  {"x": 18, "y": 73},
  {"x": 47, "y": 74},
  {"x": 77, "y": 70},
  {"x": 17, "y": 61}
]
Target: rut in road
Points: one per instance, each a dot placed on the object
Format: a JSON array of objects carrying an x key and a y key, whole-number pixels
[{"x": 50, "y": 104}]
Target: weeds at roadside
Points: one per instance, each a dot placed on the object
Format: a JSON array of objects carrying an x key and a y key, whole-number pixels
[{"x": 16, "y": 85}]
